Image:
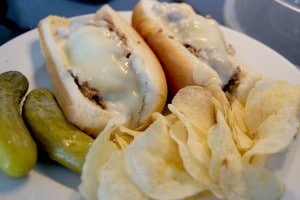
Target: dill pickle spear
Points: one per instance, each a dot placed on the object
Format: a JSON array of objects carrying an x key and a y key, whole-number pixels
[
  {"x": 18, "y": 152},
  {"x": 57, "y": 137}
]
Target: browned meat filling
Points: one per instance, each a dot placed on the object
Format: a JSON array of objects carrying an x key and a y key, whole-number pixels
[
  {"x": 92, "y": 93},
  {"x": 112, "y": 28},
  {"x": 234, "y": 81},
  {"x": 192, "y": 49}
]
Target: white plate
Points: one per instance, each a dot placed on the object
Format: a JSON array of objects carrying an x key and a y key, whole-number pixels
[{"x": 51, "y": 181}]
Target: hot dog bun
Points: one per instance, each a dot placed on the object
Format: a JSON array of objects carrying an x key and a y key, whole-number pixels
[
  {"x": 101, "y": 68},
  {"x": 191, "y": 48}
]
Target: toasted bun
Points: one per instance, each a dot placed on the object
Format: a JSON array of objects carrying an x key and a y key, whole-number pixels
[
  {"x": 176, "y": 60},
  {"x": 80, "y": 110},
  {"x": 181, "y": 67}
]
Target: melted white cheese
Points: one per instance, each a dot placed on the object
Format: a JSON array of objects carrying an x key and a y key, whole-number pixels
[
  {"x": 203, "y": 34},
  {"x": 98, "y": 57}
]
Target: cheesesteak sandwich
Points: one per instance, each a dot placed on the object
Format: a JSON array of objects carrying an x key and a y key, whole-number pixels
[
  {"x": 101, "y": 68},
  {"x": 192, "y": 48}
]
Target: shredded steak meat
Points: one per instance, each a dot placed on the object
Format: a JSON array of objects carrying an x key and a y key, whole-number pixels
[
  {"x": 87, "y": 91},
  {"x": 234, "y": 81},
  {"x": 192, "y": 49},
  {"x": 92, "y": 94}
]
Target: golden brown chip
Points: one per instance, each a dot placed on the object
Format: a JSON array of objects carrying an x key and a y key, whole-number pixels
[{"x": 195, "y": 102}]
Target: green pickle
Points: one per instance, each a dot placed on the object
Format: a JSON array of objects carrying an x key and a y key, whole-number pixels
[
  {"x": 18, "y": 151},
  {"x": 58, "y": 138}
]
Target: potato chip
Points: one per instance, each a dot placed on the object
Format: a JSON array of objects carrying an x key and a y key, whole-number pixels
[
  {"x": 238, "y": 180},
  {"x": 267, "y": 98},
  {"x": 97, "y": 156},
  {"x": 220, "y": 101},
  {"x": 195, "y": 102},
  {"x": 238, "y": 127},
  {"x": 222, "y": 146},
  {"x": 196, "y": 140},
  {"x": 258, "y": 159},
  {"x": 262, "y": 184},
  {"x": 122, "y": 142},
  {"x": 246, "y": 83},
  {"x": 122, "y": 136},
  {"x": 231, "y": 181},
  {"x": 237, "y": 114},
  {"x": 198, "y": 170},
  {"x": 271, "y": 115},
  {"x": 274, "y": 134},
  {"x": 205, "y": 145},
  {"x": 241, "y": 182},
  {"x": 130, "y": 132},
  {"x": 154, "y": 164},
  {"x": 242, "y": 141},
  {"x": 115, "y": 183}
]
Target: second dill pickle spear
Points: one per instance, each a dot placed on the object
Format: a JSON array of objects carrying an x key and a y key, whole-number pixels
[{"x": 61, "y": 140}]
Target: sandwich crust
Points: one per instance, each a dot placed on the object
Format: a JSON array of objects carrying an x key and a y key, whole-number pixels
[
  {"x": 79, "y": 109},
  {"x": 175, "y": 59}
]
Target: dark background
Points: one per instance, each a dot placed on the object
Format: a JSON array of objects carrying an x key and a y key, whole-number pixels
[{"x": 19, "y": 16}]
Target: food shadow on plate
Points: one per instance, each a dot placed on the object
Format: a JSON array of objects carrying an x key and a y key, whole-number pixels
[
  {"x": 57, "y": 172},
  {"x": 40, "y": 76},
  {"x": 8, "y": 184}
]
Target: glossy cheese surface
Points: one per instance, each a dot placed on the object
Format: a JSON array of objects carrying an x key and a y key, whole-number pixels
[
  {"x": 200, "y": 35},
  {"x": 99, "y": 59}
]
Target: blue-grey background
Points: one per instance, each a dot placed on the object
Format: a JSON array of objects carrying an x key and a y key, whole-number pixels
[{"x": 23, "y": 15}]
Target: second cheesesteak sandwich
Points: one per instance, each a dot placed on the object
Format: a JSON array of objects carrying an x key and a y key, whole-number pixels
[{"x": 191, "y": 47}]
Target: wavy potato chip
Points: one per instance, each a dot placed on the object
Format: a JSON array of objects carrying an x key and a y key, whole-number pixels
[
  {"x": 194, "y": 108},
  {"x": 97, "y": 156},
  {"x": 245, "y": 182},
  {"x": 271, "y": 115},
  {"x": 154, "y": 164},
  {"x": 237, "y": 125},
  {"x": 196, "y": 140},
  {"x": 246, "y": 83},
  {"x": 195, "y": 103},
  {"x": 198, "y": 170},
  {"x": 238, "y": 179},
  {"x": 194, "y": 151},
  {"x": 114, "y": 137},
  {"x": 115, "y": 183},
  {"x": 274, "y": 134},
  {"x": 261, "y": 184},
  {"x": 222, "y": 147},
  {"x": 130, "y": 132},
  {"x": 207, "y": 147},
  {"x": 219, "y": 99},
  {"x": 267, "y": 98},
  {"x": 231, "y": 180}
]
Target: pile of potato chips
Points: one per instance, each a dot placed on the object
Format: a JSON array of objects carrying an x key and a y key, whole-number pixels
[{"x": 210, "y": 145}]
